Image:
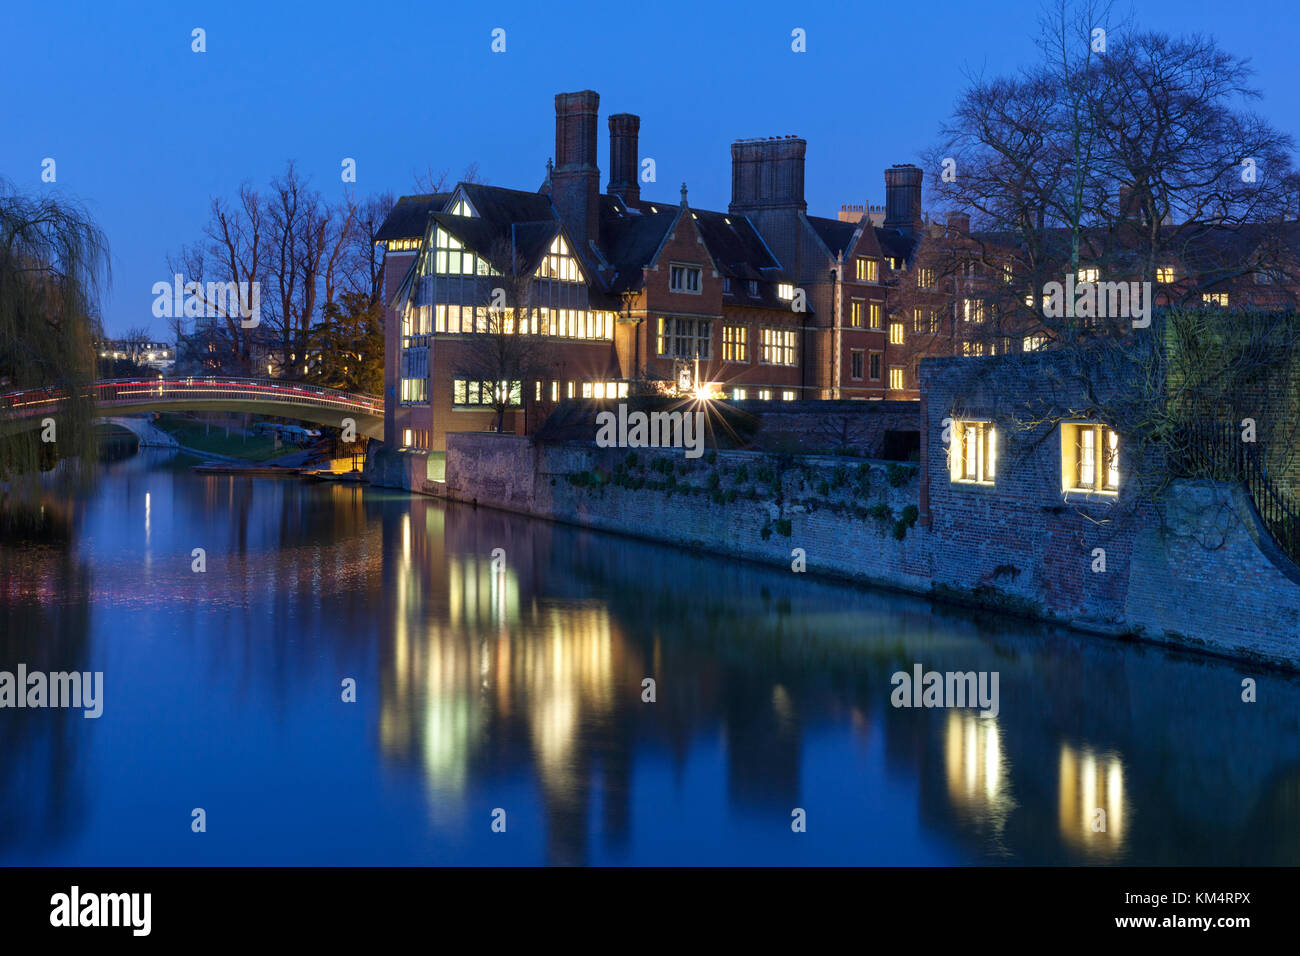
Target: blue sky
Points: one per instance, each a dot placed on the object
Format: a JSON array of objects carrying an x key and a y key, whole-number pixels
[{"x": 144, "y": 131}]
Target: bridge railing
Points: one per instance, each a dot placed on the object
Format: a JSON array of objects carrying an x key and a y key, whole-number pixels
[{"x": 144, "y": 391}]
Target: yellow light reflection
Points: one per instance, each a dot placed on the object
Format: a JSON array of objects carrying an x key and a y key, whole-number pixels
[
  {"x": 1093, "y": 816},
  {"x": 977, "y": 771}
]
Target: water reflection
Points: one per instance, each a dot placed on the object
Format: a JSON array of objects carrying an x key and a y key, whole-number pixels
[
  {"x": 1093, "y": 815},
  {"x": 499, "y": 663}
]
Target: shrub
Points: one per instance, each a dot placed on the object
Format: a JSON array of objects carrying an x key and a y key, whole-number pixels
[
  {"x": 742, "y": 475},
  {"x": 899, "y": 475},
  {"x": 908, "y": 519},
  {"x": 783, "y": 527}
]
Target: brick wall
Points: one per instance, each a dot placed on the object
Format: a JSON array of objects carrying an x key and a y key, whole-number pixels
[
  {"x": 837, "y": 528},
  {"x": 1205, "y": 577}
]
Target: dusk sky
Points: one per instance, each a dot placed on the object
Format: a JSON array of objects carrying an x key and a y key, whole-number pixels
[{"x": 145, "y": 132}]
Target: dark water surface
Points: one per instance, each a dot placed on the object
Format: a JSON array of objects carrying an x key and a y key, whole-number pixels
[{"x": 519, "y": 687}]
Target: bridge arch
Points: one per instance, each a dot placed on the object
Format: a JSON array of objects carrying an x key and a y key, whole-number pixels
[{"x": 260, "y": 396}]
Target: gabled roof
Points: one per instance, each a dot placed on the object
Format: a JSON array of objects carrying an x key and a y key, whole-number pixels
[
  {"x": 736, "y": 247},
  {"x": 836, "y": 235},
  {"x": 409, "y": 216},
  {"x": 629, "y": 243},
  {"x": 895, "y": 243}
]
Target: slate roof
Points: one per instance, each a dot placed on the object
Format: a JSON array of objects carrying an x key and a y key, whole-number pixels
[
  {"x": 409, "y": 216},
  {"x": 896, "y": 243},
  {"x": 836, "y": 234},
  {"x": 629, "y": 241}
]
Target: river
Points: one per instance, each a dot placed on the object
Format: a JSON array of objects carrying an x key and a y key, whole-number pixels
[{"x": 500, "y": 714}]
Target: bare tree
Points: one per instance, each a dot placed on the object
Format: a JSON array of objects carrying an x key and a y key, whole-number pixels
[{"x": 510, "y": 348}]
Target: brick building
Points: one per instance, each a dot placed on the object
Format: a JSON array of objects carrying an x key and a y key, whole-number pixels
[{"x": 759, "y": 302}]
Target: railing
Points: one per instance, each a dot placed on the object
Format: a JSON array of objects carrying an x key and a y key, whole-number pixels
[
  {"x": 146, "y": 391},
  {"x": 1217, "y": 452}
]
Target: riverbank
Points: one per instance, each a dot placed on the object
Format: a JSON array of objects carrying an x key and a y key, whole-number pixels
[{"x": 858, "y": 521}]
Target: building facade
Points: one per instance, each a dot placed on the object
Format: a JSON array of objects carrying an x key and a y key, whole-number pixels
[{"x": 610, "y": 293}]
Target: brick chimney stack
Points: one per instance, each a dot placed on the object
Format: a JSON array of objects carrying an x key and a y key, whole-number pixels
[
  {"x": 767, "y": 174},
  {"x": 624, "y": 159},
  {"x": 903, "y": 197},
  {"x": 575, "y": 183}
]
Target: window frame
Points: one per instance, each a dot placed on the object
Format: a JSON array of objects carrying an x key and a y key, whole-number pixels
[
  {"x": 979, "y": 468},
  {"x": 685, "y": 270}
]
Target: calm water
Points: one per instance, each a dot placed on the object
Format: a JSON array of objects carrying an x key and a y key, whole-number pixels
[{"x": 519, "y": 688}]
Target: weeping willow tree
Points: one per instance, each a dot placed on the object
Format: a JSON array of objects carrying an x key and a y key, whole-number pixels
[{"x": 53, "y": 268}]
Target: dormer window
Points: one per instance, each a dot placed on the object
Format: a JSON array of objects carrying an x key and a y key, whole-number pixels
[
  {"x": 784, "y": 290},
  {"x": 559, "y": 263},
  {"x": 753, "y": 288},
  {"x": 726, "y": 285},
  {"x": 462, "y": 208}
]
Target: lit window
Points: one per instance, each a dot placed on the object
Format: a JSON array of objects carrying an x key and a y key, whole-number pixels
[
  {"x": 918, "y": 321},
  {"x": 972, "y": 310},
  {"x": 738, "y": 394},
  {"x": 875, "y": 315},
  {"x": 1089, "y": 458},
  {"x": 462, "y": 208},
  {"x": 407, "y": 438},
  {"x": 784, "y": 290},
  {"x": 855, "y": 313},
  {"x": 925, "y": 278},
  {"x": 450, "y": 257},
  {"x": 788, "y": 395},
  {"x": 1088, "y": 274},
  {"x": 778, "y": 347},
  {"x": 470, "y": 392},
  {"x": 895, "y": 376},
  {"x": 895, "y": 333},
  {"x": 684, "y": 279},
  {"x": 973, "y": 454},
  {"x": 1032, "y": 343},
  {"x": 1007, "y": 274},
  {"x": 559, "y": 263},
  {"x": 684, "y": 338},
  {"x": 1165, "y": 274},
  {"x": 765, "y": 394},
  {"x": 1215, "y": 298},
  {"x": 414, "y": 390},
  {"x": 735, "y": 343},
  {"x": 867, "y": 270}
]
